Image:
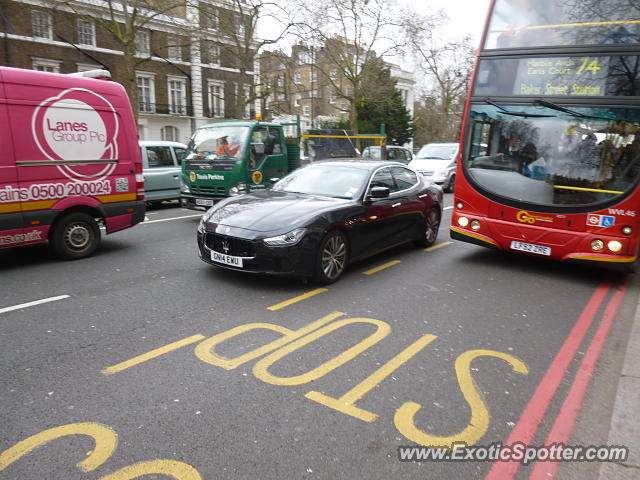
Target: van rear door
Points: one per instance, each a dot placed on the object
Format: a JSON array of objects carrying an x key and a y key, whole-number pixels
[{"x": 11, "y": 222}]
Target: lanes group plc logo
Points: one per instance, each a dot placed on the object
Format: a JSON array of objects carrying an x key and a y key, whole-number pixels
[
  {"x": 81, "y": 125},
  {"x": 192, "y": 176},
  {"x": 526, "y": 217}
]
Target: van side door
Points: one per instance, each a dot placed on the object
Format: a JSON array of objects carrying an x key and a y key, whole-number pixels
[{"x": 11, "y": 219}]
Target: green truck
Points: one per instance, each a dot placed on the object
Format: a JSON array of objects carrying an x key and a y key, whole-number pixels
[{"x": 231, "y": 158}]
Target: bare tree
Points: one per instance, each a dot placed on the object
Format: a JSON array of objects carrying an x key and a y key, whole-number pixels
[
  {"x": 343, "y": 34},
  {"x": 239, "y": 43},
  {"x": 447, "y": 67}
]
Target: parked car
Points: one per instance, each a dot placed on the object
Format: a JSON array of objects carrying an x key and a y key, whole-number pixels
[
  {"x": 161, "y": 163},
  {"x": 437, "y": 162},
  {"x": 398, "y": 154},
  {"x": 321, "y": 217}
]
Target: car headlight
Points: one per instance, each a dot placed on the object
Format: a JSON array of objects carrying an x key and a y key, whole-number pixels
[
  {"x": 202, "y": 222},
  {"x": 184, "y": 188},
  {"x": 238, "y": 189},
  {"x": 287, "y": 239}
]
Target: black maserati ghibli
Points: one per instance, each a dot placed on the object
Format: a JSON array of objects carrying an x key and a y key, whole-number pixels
[{"x": 318, "y": 219}]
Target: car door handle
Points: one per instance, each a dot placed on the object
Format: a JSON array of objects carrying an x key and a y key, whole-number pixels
[
  {"x": 175, "y": 176},
  {"x": 396, "y": 205}
]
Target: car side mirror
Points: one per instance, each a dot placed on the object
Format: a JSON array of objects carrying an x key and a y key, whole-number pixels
[
  {"x": 379, "y": 192},
  {"x": 273, "y": 181}
]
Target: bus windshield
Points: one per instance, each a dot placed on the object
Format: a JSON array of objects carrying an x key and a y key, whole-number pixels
[
  {"x": 528, "y": 23},
  {"x": 553, "y": 156}
]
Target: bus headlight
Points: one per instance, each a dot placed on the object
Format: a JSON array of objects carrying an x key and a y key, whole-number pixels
[
  {"x": 615, "y": 246},
  {"x": 627, "y": 230},
  {"x": 475, "y": 225},
  {"x": 459, "y": 205},
  {"x": 463, "y": 221},
  {"x": 597, "y": 245}
]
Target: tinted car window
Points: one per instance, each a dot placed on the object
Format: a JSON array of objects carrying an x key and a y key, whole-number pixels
[
  {"x": 404, "y": 177},
  {"x": 383, "y": 178},
  {"x": 159, "y": 157}
]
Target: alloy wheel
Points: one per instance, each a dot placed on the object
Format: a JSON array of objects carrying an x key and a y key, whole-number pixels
[{"x": 334, "y": 256}]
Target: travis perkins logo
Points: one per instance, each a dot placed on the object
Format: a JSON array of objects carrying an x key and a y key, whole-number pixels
[{"x": 77, "y": 124}]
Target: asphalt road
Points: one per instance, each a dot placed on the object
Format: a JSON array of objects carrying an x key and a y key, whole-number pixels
[{"x": 492, "y": 347}]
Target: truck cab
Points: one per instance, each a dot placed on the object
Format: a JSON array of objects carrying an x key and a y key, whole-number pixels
[{"x": 231, "y": 158}]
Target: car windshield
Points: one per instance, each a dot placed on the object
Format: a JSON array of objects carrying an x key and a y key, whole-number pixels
[
  {"x": 325, "y": 180},
  {"x": 551, "y": 155},
  {"x": 212, "y": 143},
  {"x": 437, "y": 152}
]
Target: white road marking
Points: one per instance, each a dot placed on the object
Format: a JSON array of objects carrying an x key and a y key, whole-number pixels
[
  {"x": 31, "y": 304},
  {"x": 447, "y": 208},
  {"x": 168, "y": 219}
]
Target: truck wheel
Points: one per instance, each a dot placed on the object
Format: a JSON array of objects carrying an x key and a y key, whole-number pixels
[
  {"x": 332, "y": 257},
  {"x": 74, "y": 236}
]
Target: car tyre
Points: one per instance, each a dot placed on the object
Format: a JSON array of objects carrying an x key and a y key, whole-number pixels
[
  {"x": 75, "y": 236},
  {"x": 332, "y": 259},
  {"x": 430, "y": 228}
]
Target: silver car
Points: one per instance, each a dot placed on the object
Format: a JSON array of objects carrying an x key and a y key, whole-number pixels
[{"x": 437, "y": 162}]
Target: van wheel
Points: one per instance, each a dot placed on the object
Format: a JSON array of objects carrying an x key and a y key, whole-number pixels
[{"x": 75, "y": 236}]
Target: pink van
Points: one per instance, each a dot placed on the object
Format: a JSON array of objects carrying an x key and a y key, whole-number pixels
[{"x": 69, "y": 161}]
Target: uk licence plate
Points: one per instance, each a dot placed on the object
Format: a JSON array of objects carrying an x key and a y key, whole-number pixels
[
  {"x": 531, "y": 248},
  {"x": 203, "y": 202},
  {"x": 226, "y": 259}
]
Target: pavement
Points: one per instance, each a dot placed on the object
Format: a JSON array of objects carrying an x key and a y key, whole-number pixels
[{"x": 625, "y": 421}]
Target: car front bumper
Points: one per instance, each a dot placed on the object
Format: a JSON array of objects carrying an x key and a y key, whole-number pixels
[{"x": 298, "y": 259}]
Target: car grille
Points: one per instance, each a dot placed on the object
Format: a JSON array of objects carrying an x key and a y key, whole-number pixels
[
  {"x": 233, "y": 246},
  {"x": 198, "y": 189}
]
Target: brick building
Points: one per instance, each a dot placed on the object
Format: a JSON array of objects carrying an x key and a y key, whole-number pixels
[{"x": 186, "y": 73}]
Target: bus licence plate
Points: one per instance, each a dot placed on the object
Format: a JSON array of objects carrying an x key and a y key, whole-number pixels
[
  {"x": 226, "y": 259},
  {"x": 531, "y": 248}
]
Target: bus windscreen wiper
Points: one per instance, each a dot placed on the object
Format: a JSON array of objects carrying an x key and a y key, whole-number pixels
[
  {"x": 516, "y": 114},
  {"x": 573, "y": 113}
]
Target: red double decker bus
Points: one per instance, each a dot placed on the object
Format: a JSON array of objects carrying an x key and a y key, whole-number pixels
[{"x": 550, "y": 158}]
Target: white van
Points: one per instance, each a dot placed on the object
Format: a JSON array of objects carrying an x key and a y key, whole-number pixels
[{"x": 161, "y": 163}]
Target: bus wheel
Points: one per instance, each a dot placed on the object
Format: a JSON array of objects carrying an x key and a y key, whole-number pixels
[
  {"x": 75, "y": 236},
  {"x": 430, "y": 228}
]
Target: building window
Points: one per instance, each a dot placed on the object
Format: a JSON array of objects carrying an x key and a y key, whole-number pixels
[
  {"x": 86, "y": 33},
  {"x": 41, "y": 24},
  {"x": 216, "y": 100},
  {"x": 177, "y": 95},
  {"x": 45, "y": 65},
  {"x": 297, "y": 100},
  {"x": 169, "y": 133},
  {"x": 313, "y": 76},
  {"x": 247, "y": 99},
  {"x": 333, "y": 75},
  {"x": 297, "y": 78},
  {"x": 210, "y": 53},
  {"x": 143, "y": 42},
  {"x": 281, "y": 97},
  {"x": 146, "y": 93},
  {"x": 280, "y": 81},
  {"x": 240, "y": 25},
  {"x": 174, "y": 50},
  {"x": 314, "y": 93},
  {"x": 211, "y": 17},
  {"x": 344, "y": 106},
  {"x": 306, "y": 110},
  {"x": 333, "y": 96}
]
